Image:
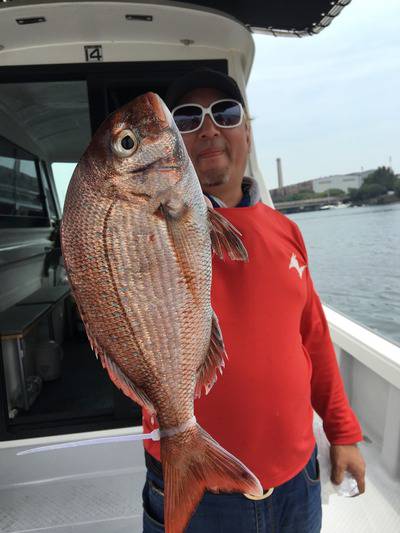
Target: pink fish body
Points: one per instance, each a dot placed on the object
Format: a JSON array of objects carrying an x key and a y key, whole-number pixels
[{"x": 137, "y": 248}]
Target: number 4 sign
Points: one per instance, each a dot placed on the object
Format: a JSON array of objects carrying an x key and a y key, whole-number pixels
[{"x": 94, "y": 52}]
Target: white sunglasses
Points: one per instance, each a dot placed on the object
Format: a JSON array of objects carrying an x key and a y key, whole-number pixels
[{"x": 226, "y": 113}]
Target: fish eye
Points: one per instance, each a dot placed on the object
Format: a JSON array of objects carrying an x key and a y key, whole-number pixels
[{"x": 125, "y": 144}]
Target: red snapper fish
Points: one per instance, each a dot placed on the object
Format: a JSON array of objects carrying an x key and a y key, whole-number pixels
[{"x": 137, "y": 238}]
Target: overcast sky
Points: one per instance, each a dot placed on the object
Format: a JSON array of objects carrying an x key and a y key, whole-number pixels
[{"x": 329, "y": 104}]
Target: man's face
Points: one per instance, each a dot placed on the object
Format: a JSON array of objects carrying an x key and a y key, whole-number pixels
[{"x": 219, "y": 155}]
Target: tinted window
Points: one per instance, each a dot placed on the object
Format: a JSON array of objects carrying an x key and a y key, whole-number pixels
[
  {"x": 20, "y": 188},
  {"x": 50, "y": 380},
  {"x": 62, "y": 173},
  {"x": 48, "y": 193}
]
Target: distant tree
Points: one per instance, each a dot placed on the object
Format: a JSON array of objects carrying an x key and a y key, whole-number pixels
[
  {"x": 278, "y": 197},
  {"x": 355, "y": 195},
  {"x": 382, "y": 176},
  {"x": 372, "y": 190},
  {"x": 335, "y": 192},
  {"x": 301, "y": 195},
  {"x": 397, "y": 187},
  {"x": 293, "y": 197}
]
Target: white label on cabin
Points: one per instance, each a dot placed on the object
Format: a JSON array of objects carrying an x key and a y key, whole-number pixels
[{"x": 94, "y": 52}]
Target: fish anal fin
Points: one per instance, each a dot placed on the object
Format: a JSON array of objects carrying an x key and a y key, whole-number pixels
[
  {"x": 118, "y": 377},
  {"x": 115, "y": 373},
  {"x": 214, "y": 360},
  {"x": 127, "y": 386},
  {"x": 225, "y": 237}
]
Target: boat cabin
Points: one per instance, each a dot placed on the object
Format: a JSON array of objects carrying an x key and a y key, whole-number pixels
[{"x": 64, "y": 66}]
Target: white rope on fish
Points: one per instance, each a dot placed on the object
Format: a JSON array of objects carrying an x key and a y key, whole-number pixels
[
  {"x": 155, "y": 435},
  {"x": 170, "y": 432}
]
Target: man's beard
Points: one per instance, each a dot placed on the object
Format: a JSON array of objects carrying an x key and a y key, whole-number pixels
[{"x": 213, "y": 178}]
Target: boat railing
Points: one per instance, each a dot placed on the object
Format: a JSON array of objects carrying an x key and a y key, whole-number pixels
[{"x": 370, "y": 367}]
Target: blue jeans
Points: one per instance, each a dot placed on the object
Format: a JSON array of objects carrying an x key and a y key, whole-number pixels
[{"x": 294, "y": 507}]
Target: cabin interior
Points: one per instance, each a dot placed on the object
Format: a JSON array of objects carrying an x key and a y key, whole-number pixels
[{"x": 51, "y": 381}]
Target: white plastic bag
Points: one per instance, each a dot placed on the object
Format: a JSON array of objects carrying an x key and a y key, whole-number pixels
[{"x": 348, "y": 487}]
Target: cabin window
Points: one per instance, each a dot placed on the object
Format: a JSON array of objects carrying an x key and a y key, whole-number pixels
[
  {"x": 62, "y": 173},
  {"x": 50, "y": 379},
  {"x": 20, "y": 188},
  {"x": 48, "y": 192}
]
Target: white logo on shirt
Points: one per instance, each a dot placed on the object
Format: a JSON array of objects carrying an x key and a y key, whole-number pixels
[{"x": 295, "y": 264}]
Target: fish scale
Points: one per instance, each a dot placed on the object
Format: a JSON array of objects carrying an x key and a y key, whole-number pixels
[{"x": 136, "y": 238}]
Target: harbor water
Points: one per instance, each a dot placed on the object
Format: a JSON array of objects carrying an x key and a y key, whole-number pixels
[{"x": 354, "y": 260}]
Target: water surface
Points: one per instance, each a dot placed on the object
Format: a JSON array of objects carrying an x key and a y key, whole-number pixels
[{"x": 354, "y": 259}]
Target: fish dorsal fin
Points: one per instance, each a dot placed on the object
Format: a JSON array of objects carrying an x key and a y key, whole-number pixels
[
  {"x": 214, "y": 360},
  {"x": 116, "y": 374},
  {"x": 225, "y": 237}
]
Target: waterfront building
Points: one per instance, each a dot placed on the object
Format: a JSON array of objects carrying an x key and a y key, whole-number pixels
[{"x": 344, "y": 182}]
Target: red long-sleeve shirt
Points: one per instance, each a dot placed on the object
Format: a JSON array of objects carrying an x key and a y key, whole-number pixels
[{"x": 281, "y": 359}]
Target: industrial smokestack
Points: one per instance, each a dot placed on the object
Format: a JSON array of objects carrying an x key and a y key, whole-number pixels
[{"x": 280, "y": 177}]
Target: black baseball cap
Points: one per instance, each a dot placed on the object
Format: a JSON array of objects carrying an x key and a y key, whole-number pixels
[{"x": 199, "y": 79}]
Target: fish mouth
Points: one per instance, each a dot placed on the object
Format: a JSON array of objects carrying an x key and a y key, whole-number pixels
[{"x": 154, "y": 166}]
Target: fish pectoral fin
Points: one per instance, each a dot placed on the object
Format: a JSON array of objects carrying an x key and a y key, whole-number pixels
[
  {"x": 214, "y": 360},
  {"x": 174, "y": 208},
  {"x": 169, "y": 203},
  {"x": 118, "y": 377},
  {"x": 225, "y": 237}
]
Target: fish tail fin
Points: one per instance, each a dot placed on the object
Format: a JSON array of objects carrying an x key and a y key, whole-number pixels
[{"x": 194, "y": 462}]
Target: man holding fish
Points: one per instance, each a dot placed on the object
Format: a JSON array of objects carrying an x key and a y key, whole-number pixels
[
  {"x": 281, "y": 364},
  {"x": 137, "y": 238}
]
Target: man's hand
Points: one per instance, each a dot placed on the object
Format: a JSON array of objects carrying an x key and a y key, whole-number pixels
[{"x": 347, "y": 458}]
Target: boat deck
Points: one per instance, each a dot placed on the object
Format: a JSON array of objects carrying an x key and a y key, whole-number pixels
[
  {"x": 112, "y": 504},
  {"x": 375, "y": 511}
]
